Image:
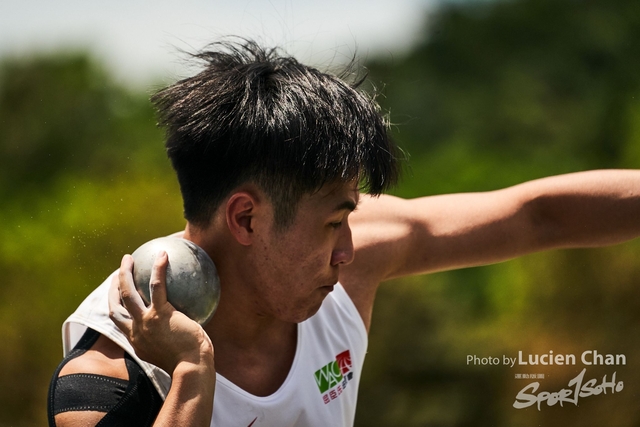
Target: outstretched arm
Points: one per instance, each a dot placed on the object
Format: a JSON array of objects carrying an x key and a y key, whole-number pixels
[{"x": 394, "y": 237}]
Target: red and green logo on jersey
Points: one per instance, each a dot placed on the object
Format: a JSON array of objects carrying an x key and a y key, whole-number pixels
[{"x": 333, "y": 377}]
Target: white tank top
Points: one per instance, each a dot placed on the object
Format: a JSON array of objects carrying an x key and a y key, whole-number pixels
[{"x": 320, "y": 390}]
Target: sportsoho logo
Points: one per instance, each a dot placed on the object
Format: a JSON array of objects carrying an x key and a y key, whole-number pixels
[{"x": 333, "y": 377}]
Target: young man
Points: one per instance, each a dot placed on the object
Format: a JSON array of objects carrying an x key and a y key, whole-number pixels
[{"x": 271, "y": 156}]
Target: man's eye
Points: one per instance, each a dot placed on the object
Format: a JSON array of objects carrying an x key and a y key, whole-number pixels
[{"x": 336, "y": 224}]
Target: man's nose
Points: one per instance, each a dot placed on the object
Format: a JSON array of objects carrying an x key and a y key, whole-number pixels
[{"x": 343, "y": 253}]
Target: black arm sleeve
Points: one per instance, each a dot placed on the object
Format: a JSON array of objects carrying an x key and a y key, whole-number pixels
[{"x": 132, "y": 402}]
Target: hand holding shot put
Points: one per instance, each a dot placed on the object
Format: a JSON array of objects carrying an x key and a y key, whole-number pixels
[
  {"x": 159, "y": 333},
  {"x": 165, "y": 337}
]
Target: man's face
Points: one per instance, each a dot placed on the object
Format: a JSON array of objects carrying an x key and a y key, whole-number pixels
[{"x": 298, "y": 267}]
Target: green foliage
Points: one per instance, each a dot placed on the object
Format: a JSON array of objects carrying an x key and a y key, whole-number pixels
[
  {"x": 83, "y": 180},
  {"x": 62, "y": 115},
  {"x": 527, "y": 87}
]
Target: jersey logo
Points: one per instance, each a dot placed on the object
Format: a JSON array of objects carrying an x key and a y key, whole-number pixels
[{"x": 333, "y": 377}]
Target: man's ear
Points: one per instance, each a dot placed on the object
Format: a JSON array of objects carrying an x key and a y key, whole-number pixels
[{"x": 241, "y": 208}]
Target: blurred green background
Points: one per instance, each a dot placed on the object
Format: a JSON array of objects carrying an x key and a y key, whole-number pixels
[{"x": 494, "y": 93}]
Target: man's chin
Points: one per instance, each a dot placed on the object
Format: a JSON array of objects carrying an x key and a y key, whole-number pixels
[{"x": 314, "y": 308}]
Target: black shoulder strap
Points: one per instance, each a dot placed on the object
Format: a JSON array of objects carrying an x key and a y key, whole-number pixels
[
  {"x": 140, "y": 404},
  {"x": 133, "y": 402},
  {"x": 88, "y": 339}
]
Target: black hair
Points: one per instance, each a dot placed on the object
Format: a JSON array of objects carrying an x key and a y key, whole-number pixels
[{"x": 254, "y": 115}]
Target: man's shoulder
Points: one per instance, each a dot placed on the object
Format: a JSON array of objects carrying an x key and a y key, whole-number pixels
[{"x": 91, "y": 382}]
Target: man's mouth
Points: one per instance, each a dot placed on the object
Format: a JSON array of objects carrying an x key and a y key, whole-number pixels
[{"x": 328, "y": 288}]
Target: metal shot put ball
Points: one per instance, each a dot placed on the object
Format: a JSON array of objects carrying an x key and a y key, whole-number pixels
[{"x": 193, "y": 285}]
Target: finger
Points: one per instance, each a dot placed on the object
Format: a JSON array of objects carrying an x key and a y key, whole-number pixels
[
  {"x": 158, "y": 282},
  {"x": 131, "y": 299},
  {"x": 118, "y": 314}
]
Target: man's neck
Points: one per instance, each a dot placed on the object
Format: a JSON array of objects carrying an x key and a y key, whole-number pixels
[{"x": 262, "y": 346}]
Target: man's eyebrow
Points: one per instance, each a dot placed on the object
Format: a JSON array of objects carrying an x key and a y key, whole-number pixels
[{"x": 349, "y": 205}]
